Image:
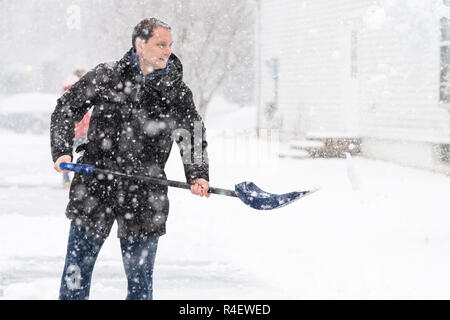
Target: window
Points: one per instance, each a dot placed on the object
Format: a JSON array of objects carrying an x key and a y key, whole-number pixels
[{"x": 444, "y": 94}]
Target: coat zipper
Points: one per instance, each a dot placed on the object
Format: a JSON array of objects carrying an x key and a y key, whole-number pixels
[{"x": 137, "y": 93}]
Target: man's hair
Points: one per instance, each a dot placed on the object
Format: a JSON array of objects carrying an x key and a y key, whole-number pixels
[{"x": 144, "y": 29}]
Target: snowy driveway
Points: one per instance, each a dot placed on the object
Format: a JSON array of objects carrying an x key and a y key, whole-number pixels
[{"x": 389, "y": 238}]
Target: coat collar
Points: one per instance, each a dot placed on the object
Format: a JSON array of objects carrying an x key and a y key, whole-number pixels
[{"x": 161, "y": 78}]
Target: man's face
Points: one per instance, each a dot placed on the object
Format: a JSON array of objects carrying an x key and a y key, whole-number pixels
[{"x": 156, "y": 51}]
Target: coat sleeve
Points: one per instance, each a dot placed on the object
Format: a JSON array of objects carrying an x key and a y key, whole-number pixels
[
  {"x": 70, "y": 109},
  {"x": 190, "y": 137}
]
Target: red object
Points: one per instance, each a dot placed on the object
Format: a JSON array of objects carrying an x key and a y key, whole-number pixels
[{"x": 81, "y": 128}]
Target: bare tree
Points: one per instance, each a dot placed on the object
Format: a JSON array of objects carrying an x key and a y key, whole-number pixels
[
  {"x": 212, "y": 37},
  {"x": 212, "y": 41}
]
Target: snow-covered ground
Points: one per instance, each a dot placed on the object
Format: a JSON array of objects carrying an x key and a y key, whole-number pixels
[{"x": 375, "y": 230}]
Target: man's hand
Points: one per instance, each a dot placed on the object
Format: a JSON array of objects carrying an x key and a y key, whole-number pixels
[
  {"x": 64, "y": 158},
  {"x": 200, "y": 187}
]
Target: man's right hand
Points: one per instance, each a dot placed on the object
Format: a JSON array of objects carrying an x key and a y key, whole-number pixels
[{"x": 64, "y": 158}]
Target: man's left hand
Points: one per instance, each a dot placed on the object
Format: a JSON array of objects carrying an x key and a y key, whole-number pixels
[{"x": 200, "y": 187}]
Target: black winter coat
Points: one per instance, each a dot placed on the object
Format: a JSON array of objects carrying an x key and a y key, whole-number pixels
[{"x": 132, "y": 128}]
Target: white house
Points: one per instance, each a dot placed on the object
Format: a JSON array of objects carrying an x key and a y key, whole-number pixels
[{"x": 373, "y": 70}]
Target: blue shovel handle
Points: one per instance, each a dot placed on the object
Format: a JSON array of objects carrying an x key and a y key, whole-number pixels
[{"x": 77, "y": 167}]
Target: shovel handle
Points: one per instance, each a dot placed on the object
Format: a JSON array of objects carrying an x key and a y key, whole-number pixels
[
  {"x": 77, "y": 167},
  {"x": 90, "y": 170}
]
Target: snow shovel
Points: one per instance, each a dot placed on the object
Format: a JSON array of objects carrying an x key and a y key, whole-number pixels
[{"x": 247, "y": 192}]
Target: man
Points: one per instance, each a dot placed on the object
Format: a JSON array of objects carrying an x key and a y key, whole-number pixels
[{"x": 140, "y": 106}]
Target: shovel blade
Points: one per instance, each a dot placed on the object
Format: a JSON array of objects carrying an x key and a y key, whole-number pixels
[{"x": 251, "y": 195}]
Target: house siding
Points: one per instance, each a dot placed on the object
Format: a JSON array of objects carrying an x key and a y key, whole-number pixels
[{"x": 394, "y": 95}]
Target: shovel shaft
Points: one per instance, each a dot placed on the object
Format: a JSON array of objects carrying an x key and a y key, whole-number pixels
[
  {"x": 89, "y": 169},
  {"x": 163, "y": 182}
]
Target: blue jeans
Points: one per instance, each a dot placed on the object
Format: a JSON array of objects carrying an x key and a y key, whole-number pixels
[{"x": 138, "y": 256}]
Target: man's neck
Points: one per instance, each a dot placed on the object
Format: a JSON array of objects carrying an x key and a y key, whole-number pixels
[{"x": 144, "y": 68}]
